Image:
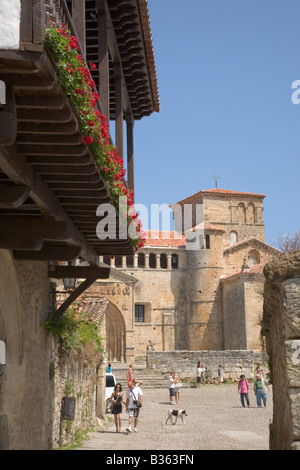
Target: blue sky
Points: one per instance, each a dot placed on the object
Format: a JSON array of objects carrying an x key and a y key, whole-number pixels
[{"x": 225, "y": 70}]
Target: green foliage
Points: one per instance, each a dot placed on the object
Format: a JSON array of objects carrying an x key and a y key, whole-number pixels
[
  {"x": 75, "y": 332},
  {"x": 69, "y": 388}
]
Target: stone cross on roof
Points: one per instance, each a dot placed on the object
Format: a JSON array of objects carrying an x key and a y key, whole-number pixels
[{"x": 216, "y": 179}]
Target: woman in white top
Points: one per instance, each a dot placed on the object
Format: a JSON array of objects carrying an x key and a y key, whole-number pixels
[{"x": 172, "y": 388}]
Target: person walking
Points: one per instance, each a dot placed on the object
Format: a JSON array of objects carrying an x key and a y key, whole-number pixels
[
  {"x": 200, "y": 369},
  {"x": 172, "y": 388},
  {"x": 203, "y": 375},
  {"x": 129, "y": 375},
  {"x": 109, "y": 368},
  {"x": 220, "y": 377},
  {"x": 177, "y": 387},
  {"x": 134, "y": 398},
  {"x": 243, "y": 388},
  {"x": 117, "y": 400},
  {"x": 260, "y": 388}
]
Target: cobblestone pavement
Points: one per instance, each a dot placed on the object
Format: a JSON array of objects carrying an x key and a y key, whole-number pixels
[{"x": 215, "y": 421}]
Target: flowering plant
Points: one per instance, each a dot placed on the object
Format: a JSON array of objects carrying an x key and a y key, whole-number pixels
[{"x": 76, "y": 81}]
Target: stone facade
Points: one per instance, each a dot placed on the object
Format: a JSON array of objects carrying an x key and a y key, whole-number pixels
[
  {"x": 189, "y": 291},
  {"x": 281, "y": 326}
]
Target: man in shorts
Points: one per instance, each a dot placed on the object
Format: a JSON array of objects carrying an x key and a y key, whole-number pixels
[{"x": 134, "y": 398}]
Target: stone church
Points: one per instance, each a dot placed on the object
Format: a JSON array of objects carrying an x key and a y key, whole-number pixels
[{"x": 178, "y": 296}]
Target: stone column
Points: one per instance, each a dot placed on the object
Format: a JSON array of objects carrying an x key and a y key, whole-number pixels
[
  {"x": 147, "y": 260},
  {"x": 169, "y": 261}
]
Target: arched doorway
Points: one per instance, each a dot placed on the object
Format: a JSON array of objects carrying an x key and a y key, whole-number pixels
[{"x": 115, "y": 334}]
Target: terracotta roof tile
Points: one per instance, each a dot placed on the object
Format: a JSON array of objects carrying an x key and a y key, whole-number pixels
[
  {"x": 208, "y": 226},
  {"x": 256, "y": 269},
  {"x": 155, "y": 238},
  {"x": 248, "y": 240},
  {"x": 225, "y": 192}
]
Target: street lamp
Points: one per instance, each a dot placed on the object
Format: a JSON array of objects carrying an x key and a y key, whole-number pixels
[{"x": 69, "y": 282}]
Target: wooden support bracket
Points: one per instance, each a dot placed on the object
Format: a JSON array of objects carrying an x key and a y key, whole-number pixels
[{"x": 91, "y": 273}]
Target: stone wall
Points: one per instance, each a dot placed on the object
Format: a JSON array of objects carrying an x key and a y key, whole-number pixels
[
  {"x": 74, "y": 377},
  {"x": 24, "y": 384},
  {"x": 184, "y": 363},
  {"x": 242, "y": 307},
  {"x": 34, "y": 375},
  {"x": 281, "y": 326}
]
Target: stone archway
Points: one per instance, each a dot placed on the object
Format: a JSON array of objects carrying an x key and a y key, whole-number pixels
[{"x": 115, "y": 334}]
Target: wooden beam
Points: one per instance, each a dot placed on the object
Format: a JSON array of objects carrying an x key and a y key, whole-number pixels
[
  {"x": 48, "y": 129},
  {"x": 8, "y": 128},
  {"x": 50, "y": 102},
  {"x": 78, "y": 18},
  {"x": 50, "y": 253},
  {"x": 8, "y": 119},
  {"x": 18, "y": 241},
  {"x": 51, "y": 116},
  {"x": 12, "y": 196},
  {"x": 36, "y": 227},
  {"x": 49, "y": 150},
  {"x": 130, "y": 153},
  {"x": 78, "y": 272},
  {"x": 119, "y": 108},
  {"x": 103, "y": 57},
  {"x": 66, "y": 170},
  {"x": 44, "y": 139},
  {"x": 59, "y": 160},
  {"x": 19, "y": 171}
]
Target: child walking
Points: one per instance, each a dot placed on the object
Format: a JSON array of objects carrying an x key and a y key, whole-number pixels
[{"x": 243, "y": 387}]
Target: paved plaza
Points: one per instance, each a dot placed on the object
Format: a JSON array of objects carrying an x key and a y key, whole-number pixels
[{"x": 215, "y": 421}]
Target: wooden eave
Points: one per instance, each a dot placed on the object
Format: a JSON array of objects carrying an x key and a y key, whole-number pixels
[
  {"x": 47, "y": 174},
  {"x": 130, "y": 39}
]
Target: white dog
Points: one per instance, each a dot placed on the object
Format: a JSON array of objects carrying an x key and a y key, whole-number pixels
[{"x": 177, "y": 414}]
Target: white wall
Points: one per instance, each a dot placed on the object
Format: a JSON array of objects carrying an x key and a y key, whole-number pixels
[{"x": 10, "y": 13}]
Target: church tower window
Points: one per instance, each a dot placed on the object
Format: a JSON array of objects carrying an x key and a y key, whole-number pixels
[
  {"x": 250, "y": 213},
  {"x": 241, "y": 214},
  {"x": 233, "y": 237},
  {"x": 163, "y": 261},
  {"x": 254, "y": 257},
  {"x": 129, "y": 261},
  {"x": 174, "y": 261},
  {"x": 152, "y": 260},
  {"x": 207, "y": 242},
  {"x": 118, "y": 261},
  {"x": 141, "y": 260}
]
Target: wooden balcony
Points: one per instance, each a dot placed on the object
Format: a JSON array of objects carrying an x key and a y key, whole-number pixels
[{"x": 50, "y": 184}]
